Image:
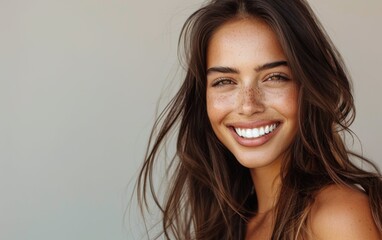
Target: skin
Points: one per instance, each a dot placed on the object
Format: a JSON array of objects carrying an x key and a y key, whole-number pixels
[
  {"x": 252, "y": 97},
  {"x": 242, "y": 93},
  {"x": 341, "y": 213}
]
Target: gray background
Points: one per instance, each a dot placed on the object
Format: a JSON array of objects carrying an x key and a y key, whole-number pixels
[{"x": 79, "y": 84}]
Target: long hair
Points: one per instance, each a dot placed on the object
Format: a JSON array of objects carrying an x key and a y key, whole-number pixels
[{"x": 209, "y": 196}]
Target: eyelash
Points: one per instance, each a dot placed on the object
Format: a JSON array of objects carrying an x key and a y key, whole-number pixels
[
  {"x": 279, "y": 76},
  {"x": 222, "y": 81},
  {"x": 226, "y": 81}
]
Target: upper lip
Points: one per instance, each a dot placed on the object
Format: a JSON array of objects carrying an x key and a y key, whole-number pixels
[{"x": 254, "y": 124}]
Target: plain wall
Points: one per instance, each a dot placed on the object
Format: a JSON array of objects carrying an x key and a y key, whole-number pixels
[{"x": 79, "y": 84}]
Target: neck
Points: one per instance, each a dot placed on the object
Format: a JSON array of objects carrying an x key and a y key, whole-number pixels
[{"x": 267, "y": 184}]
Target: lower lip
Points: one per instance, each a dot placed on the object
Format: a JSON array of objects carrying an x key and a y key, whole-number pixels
[{"x": 254, "y": 142}]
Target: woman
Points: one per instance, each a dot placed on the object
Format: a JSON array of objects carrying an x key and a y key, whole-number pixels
[{"x": 259, "y": 117}]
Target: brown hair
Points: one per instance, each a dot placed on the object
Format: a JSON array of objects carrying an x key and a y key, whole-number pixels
[{"x": 209, "y": 196}]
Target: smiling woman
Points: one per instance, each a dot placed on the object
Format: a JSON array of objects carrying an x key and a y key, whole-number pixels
[
  {"x": 259, "y": 95},
  {"x": 259, "y": 149}
]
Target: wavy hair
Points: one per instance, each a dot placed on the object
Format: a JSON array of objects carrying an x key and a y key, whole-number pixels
[{"x": 209, "y": 196}]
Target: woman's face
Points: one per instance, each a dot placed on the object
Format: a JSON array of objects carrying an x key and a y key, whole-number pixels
[{"x": 251, "y": 94}]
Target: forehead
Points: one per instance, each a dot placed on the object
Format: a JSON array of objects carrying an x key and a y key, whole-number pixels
[{"x": 245, "y": 39}]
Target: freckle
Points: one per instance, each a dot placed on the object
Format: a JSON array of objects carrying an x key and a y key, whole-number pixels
[
  {"x": 250, "y": 94},
  {"x": 225, "y": 99},
  {"x": 221, "y": 98},
  {"x": 258, "y": 90}
]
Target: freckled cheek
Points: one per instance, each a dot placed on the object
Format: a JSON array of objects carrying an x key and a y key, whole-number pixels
[
  {"x": 285, "y": 101},
  {"x": 220, "y": 104}
]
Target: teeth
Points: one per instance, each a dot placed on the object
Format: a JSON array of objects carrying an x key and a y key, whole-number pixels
[
  {"x": 248, "y": 133},
  {"x": 255, "y": 132},
  {"x": 262, "y": 132}
]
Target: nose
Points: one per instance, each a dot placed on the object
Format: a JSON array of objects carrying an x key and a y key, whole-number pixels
[{"x": 251, "y": 101}]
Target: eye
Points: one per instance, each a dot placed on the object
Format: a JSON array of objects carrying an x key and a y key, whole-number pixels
[
  {"x": 220, "y": 82},
  {"x": 277, "y": 77}
]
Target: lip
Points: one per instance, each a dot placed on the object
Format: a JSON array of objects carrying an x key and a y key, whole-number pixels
[{"x": 254, "y": 142}]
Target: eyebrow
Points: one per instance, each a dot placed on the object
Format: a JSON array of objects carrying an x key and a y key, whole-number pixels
[
  {"x": 220, "y": 69},
  {"x": 271, "y": 65}
]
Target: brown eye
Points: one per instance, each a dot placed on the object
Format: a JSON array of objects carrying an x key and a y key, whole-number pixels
[
  {"x": 276, "y": 77},
  {"x": 222, "y": 82}
]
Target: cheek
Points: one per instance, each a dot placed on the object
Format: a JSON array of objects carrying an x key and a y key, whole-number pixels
[
  {"x": 293, "y": 100},
  {"x": 288, "y": 101},
  {"x": 284, "y": 100},
  {"x": 219, "y": 105}
]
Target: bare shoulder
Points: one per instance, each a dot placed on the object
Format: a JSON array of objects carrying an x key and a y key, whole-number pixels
[{"x": 341, "y": 212}]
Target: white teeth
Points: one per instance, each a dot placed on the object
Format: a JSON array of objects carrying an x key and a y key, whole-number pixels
[
  {"x": 266, "y": 129},
  {"x": 239, "y": 132},
  {"x": 262, "y": 132},
  {"x": 248, "y": 133},
  {"x": 255, "y": 132}
]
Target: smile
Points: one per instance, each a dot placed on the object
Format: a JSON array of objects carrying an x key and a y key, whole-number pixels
[{"x": 256, "y": 132}]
